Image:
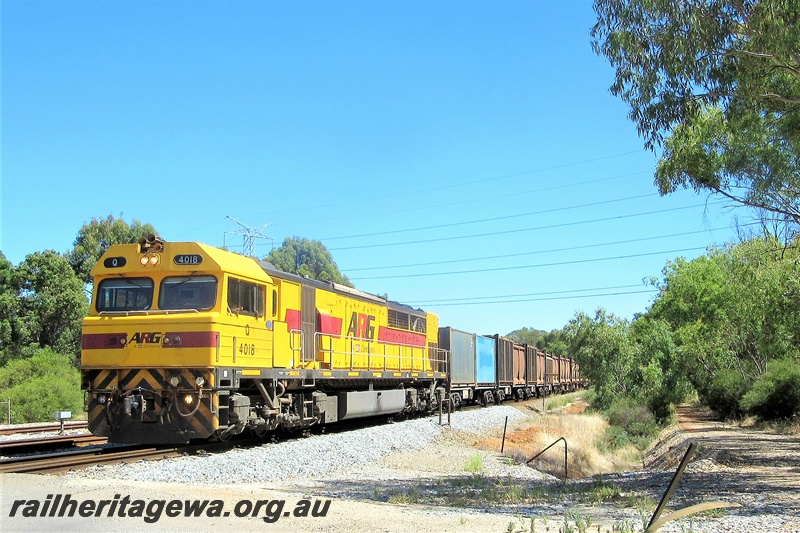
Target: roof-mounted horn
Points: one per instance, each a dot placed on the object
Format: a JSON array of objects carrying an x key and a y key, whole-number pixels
[{"x": 151, "y": 243}]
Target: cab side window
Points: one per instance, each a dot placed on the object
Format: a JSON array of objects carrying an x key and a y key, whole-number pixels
[{"x": 245, "y": 297}]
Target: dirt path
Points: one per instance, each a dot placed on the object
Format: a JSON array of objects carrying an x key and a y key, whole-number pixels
[{"x": 756, "y": 469}]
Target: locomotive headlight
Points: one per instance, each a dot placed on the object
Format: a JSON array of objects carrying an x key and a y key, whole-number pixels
[
  {"x": 149, "y": 260},
  {"x": 200, "y": 380},
  {"x": 188, "y": 399}
]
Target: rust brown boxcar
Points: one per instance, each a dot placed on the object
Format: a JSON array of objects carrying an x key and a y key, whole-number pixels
[{"x": 504, "y": 348}]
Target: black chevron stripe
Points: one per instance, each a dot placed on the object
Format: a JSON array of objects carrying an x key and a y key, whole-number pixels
[{"x": 106, "y": 378}]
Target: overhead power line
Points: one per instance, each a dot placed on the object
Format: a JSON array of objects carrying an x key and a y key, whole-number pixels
[
  {"x": 540, "y": 265},
  {"x": 493, "y": 219},
  {"x": 454, "y": 185},
  {"x": 545, "y": 293},
  {"x": 521, "y": 230},
  {"x": 418, "y": 207},
  {"x": 645, "y": 291},
  {"x": 427, "y": 207},
  {"x": 537, "y": 252}
]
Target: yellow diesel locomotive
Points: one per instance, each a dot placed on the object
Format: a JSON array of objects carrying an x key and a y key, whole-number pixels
[{"x": 187, "y": 341}]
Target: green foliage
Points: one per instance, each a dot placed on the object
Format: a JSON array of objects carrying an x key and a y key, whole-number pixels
[
  {"x": 628, "y": 360},
  {"x": 474, "y": 464},
  {"x": 662, "y": 385},
  {"x": 719, "y": 81},
  {"x": 630, "y": 423},
  {"x": 604, "y": 348},
  {"x": 636, "y": 419},
  {"x": 776, "y": 394},
  {"x": 42, "y": 306},
  {"x": 307, "y": 258},
  {"x": 614, "y": 438},
  {"x": 731, "y": 312},
  {"x": 8, "y": 304},
  {"x": 725, "y": 393},
  {"x": 40, "y": 385},
  {"x": 96, "y": 236},
  {"x": 552, "y": 342}
]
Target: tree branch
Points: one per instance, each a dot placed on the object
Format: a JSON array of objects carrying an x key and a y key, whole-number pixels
[{"x": 793, "y": 214}]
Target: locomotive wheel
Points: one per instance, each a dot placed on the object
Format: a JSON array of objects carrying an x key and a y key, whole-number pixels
[
  {"x": 224, "y": 436},
  {"x": 260, "y": 431}
]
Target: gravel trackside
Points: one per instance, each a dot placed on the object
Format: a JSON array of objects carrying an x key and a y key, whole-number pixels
[{"x": 356, "y": 470}]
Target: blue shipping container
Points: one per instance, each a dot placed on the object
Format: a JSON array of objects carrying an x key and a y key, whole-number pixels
[{"x": 487, "y": 373}]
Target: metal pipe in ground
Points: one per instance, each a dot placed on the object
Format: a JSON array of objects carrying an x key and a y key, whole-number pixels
[{"x": 565, "y": 455}]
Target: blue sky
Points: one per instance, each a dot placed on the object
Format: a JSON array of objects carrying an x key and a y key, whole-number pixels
[{"x": 464, "y": 157}]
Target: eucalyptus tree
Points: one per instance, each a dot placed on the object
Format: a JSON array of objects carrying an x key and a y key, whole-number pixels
[
  {"x": 96, "y": 236},
  {"x": 716, "y": 85},
  {"x": 308, "y": 258}
]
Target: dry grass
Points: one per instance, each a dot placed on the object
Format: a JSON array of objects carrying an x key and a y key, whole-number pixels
[{"x": 581, "y": 430}]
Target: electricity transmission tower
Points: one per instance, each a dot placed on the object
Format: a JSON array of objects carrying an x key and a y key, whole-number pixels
[{"x": 249, "y": 235}]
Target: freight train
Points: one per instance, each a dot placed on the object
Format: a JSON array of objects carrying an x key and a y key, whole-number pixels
[{"x": 187, "y": 341}]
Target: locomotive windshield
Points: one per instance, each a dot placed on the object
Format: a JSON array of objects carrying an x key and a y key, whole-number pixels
[
  {"x": 125, "y": 294},
  {"x": 188, "y": 292}
]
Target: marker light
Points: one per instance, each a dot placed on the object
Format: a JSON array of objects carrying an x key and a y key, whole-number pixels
[{"x": 188, "y": 399}]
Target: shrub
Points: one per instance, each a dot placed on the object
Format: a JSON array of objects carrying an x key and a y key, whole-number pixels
[
  {"x": 615, "y": 437},
  {"x": 776, "y": 394},
  {"x": 725, "y": 393},
  {"x": 634, "y": 418},
  {"x": 630, "y": 423},
  {"x": 40, "y": 385}
]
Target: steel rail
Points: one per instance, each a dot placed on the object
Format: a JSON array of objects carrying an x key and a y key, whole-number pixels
[{"x": 40, "y": 428}]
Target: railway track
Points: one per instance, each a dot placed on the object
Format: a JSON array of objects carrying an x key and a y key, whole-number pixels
[
  {"x": 43, "y": 444},
  {"x": 64, "y": 461},
  {"x": 41, "y": 428}
]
